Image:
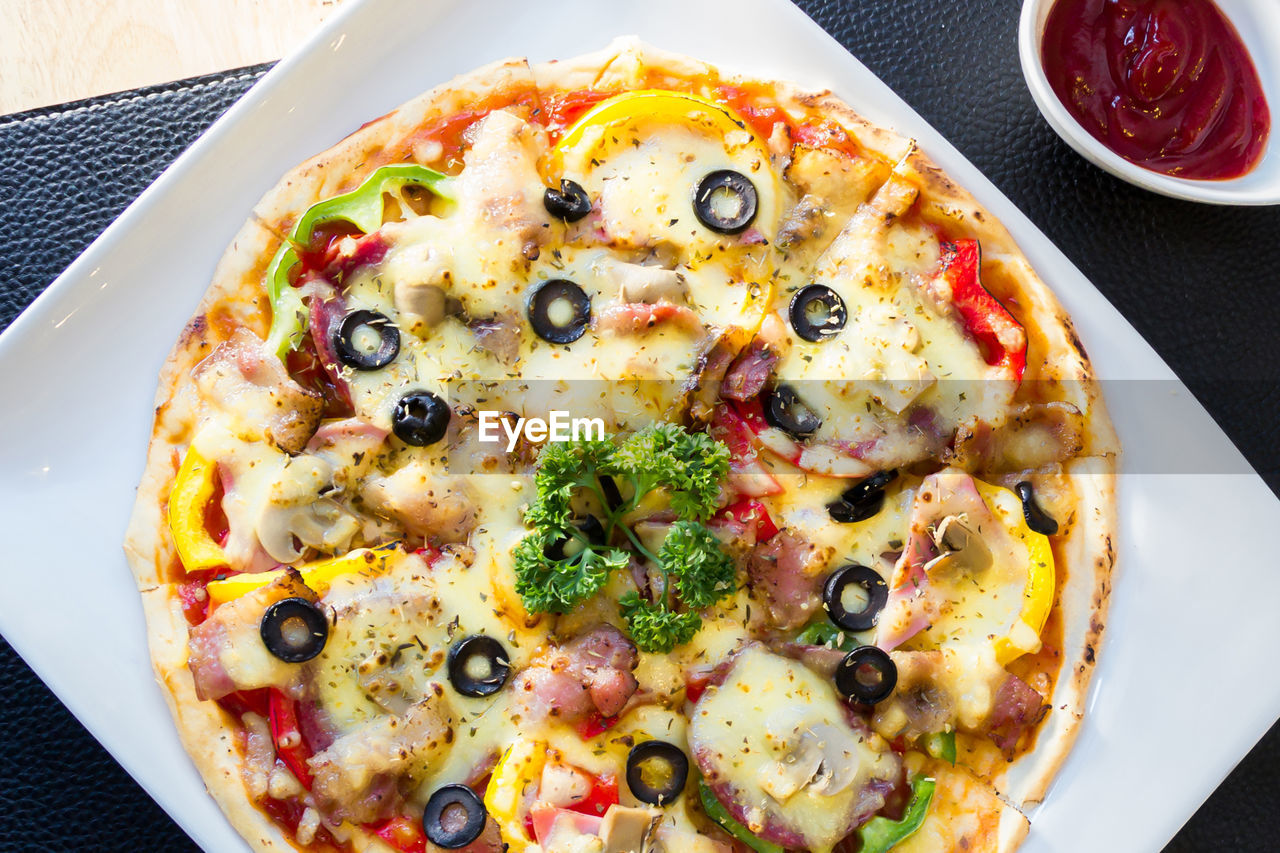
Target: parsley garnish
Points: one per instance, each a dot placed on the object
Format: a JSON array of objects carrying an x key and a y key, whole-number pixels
[{"x": 689, "y": 572}]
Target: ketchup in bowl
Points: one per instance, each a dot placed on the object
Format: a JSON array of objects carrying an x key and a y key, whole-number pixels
[{"x": 1166, "y": 84}]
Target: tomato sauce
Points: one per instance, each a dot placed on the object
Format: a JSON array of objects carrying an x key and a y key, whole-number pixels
[
  {"x": 560, "y": 111},
  {"x": 449, "y": 130},
  {"x": 762, "y": 114},
  {"x": 1166, "y": 84}
]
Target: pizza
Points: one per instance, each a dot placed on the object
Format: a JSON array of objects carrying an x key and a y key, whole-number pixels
[{"x": 614, "y": 454}]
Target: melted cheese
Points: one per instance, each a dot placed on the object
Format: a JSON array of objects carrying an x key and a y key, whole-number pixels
[
  {"x": 393, "y": 631},
  {"x": 983, "y": 606},
  {"x": 747, "y": 729},
  {"x": 251, "y": 467},
  {"x": 388, "y": 645},
  {"x": 896, "y": 352}
]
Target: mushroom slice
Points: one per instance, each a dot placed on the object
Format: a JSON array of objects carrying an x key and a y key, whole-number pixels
[
  {"x": 963, "y": 549},
  {"x": 819, "y": 756},
  {"x": 294, "y": 512},
  {"x": 637, "y": 283},
  {"x": 628, "y": 830}
]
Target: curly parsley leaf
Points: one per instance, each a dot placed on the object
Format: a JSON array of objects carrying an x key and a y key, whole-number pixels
[
  {"x": 557, "y": 586},
  {"x": 692, "y": 558},
  {"x": 563, "y": 469},
  {"x": 655, "y": 628},
  {"x": 696, "y": 572},
  {"x": 689, "y": 465}
]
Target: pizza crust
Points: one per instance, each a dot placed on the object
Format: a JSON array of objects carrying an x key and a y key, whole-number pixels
[{"x": 236, "y": 298}]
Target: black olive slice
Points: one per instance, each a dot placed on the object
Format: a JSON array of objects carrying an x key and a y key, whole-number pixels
[
  {"x": 846, "y": 513},
  {"x": 786, "y": 411},
  {"x": 867, "y": 675},
  {"x": 569, "y": 203},
  {"x": 725, "y": 201},
  {"x": 454, "y": 817},
  {"x": 590, "y": 527},
  {"x": 1037, "y": 519},
  {"x": 355, "y": 338},
  {"x": 876, "y": 590},
  {"x": 863, "y": 500},
  {"x": 294, "y": 630},
  {"x": 612, "y": 496},
  {"x": 656, "y": 771},
  {"x": 559, "y": 311},
  {"x": 817, "y": 312},
  {"x": 420, "y": 418},
  {"x": 478, "y": 665}
]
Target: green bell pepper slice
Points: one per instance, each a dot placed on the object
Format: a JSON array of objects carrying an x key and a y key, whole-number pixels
[
  {"x": 881, "y": 834},
  {"x": 824, "y": 632},
  {"x": 362, "y": 208},
  {"x": 288, "y": 314},
  {"x": 940, "y": 745},
  {"x": 717, "y": 812}
]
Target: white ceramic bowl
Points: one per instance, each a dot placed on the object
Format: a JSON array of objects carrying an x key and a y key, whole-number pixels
[{"x": 1258, "y": 23}]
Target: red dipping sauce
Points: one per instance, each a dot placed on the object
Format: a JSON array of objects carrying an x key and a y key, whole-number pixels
[{"x": 1166, "y": 84}]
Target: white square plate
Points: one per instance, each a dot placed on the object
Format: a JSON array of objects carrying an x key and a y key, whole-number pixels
[{"x": 1177, "y": 698}]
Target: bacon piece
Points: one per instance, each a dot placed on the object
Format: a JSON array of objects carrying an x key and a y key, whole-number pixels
[
  {"x": 634, "y": 318},
  {"x": 1035, "y": 436},
  {"x": 499, "y": 335},
  {"x": 493, "y": 188},
  {"x": 360, "y": 776},
  {"x": 821, "y": 659},
  {"x": 749, "y": 372},
  {"x": 715, "y": 355},
  {"x": 242, "y": 379},
  {"x": 1016, "y": 710},
  {"x": 226, "y": 653},
  {"x": 943, "y": 689},
  {"x": 788, "y": 572},
  {"x": 912, "y": 604},
  {"x": 589, "y": 675},
  {"x": 747, "y": 474},
  {"x": 428, "y": 504},
  {"x": 348, "y": 253},
  {"x": 351, "y": 435}
]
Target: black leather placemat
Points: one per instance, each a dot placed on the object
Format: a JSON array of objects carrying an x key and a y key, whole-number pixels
[{"x": 1199, "y": 282}]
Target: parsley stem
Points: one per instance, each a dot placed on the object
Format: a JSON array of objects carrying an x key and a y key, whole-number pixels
[
  {"x": 657, "y": 564},
  {"x": 635, "y": 540}
]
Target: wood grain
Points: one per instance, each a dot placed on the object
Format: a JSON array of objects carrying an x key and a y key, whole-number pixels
[{"x": 53, "y": 51}]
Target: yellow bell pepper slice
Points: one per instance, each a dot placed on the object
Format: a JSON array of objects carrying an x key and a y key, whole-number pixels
[
  {"x": 1037, "y": 596},
  {"x": 655, "y": 104},
  {"x": 192, "y": 490},
  {"x": 662, "y": 105},
  {"x": 520, "y": 766},
  {"x": 317, "y": 576}
]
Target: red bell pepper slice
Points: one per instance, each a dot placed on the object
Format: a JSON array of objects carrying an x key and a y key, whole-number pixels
[
  {"x": 747, "y": 474},
  {"x": 403, "y": 833},
  {"x": 291, "y": 746},
  {"x": 696, "y": 683},
  {"x": 1001, "y": 338},
  {"x": 595, "y": 725},
  {"x": 749, "y": 512},
  {"x": 603, "y": 793},
  {"x": 247, "y": 701}
]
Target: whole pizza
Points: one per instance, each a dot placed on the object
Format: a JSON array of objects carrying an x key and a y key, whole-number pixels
[{"x": 616, "y": 455}]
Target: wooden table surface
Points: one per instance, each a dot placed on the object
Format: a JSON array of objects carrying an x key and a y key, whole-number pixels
[{"x": 53, "y": 51}]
